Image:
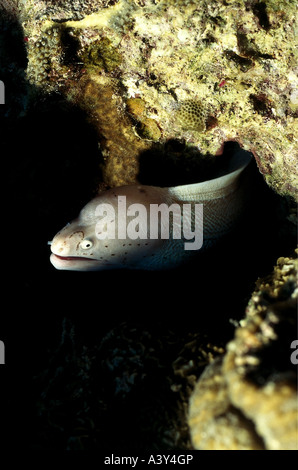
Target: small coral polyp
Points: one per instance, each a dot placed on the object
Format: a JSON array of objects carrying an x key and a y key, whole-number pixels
[{"x": 192, "y": 115}]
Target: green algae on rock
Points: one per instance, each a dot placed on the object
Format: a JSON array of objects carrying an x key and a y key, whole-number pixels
[{"x": 102, "y": 55}]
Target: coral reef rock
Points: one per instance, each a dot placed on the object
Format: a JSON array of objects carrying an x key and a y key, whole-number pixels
[
  {"x": 247, "y": 399},
  {"x": 206, "y": 72}
]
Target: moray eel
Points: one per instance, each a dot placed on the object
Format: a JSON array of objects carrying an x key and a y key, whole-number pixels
[{"x": 125, "y": 227}]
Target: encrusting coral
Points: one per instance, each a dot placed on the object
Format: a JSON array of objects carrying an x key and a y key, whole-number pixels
[{"x": 192, "y": 115}]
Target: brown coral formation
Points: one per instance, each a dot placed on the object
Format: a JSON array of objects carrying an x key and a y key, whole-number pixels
[
  {"x": 248, "y": 398},
  {"x": 120, "y": 145},
  {"x": 214, "y": 422}
]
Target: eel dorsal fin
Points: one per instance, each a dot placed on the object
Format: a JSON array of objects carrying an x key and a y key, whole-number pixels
[{"x": 216, "y": 188}]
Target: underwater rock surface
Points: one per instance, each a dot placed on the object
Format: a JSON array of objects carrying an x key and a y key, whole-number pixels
[
  {"x": 234, "y": 60},
  {"x": 247, "y": 400}
]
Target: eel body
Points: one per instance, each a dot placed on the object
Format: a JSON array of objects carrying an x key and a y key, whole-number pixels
[{"x": 151, "y": 228}]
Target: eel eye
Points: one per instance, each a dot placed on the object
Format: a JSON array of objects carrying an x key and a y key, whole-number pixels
[{"x": 86, "y": 244}]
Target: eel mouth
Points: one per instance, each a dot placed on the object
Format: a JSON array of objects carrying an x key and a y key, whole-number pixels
[
  {"x": 73, "y": 258},
  {"x": 74, "y": 263}
]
